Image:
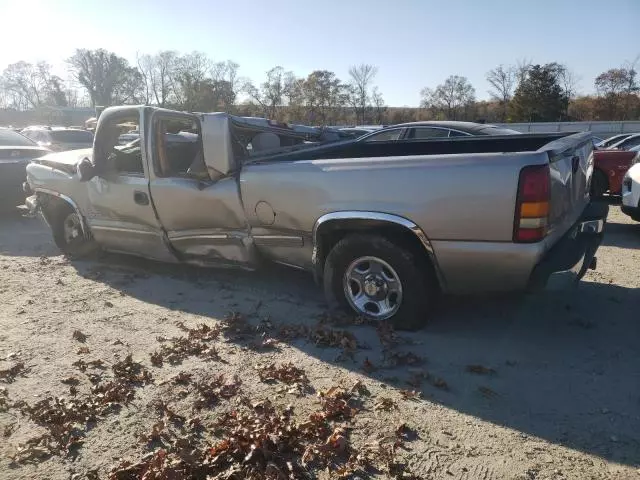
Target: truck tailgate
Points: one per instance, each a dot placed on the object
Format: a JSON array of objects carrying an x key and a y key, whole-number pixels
[{"x": 571, "y": 167}]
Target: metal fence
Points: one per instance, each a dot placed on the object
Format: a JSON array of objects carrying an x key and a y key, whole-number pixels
[{"x": 600, "y": 129}]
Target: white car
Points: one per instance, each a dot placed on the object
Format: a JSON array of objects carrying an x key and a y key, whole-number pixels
[{"x": 631, "y": 192}]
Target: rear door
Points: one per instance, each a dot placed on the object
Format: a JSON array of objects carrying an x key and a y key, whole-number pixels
[
  {"x": 571, "y": 168},
  {"x": 203, "y": 217}
]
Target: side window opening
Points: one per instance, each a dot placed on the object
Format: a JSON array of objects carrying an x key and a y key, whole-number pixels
[
  {"x": 428, "y": 132},
  {"x": 385, "y": 136},
  {"x": 123, "y": 159},
  {"x": 178, "y": 148}
]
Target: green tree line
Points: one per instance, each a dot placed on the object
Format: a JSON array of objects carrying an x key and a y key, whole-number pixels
[{"x": 523, "y": 92}]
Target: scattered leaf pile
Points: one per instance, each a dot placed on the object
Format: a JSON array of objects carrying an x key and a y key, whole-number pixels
[
  {"x": 66, "y": 420},
  {"x": 416, "y": 379},
  {"x": 4, "y": 400},
  {"x": 8, "y": 375},
  {"x": 288, "y": 374},
  {"x": 211, "y": 392},
  {"x": 260, "y": 441},
  {"x": 320, "y": 335},
  {"x": 132, "y": 372},
  {"x": 176, "y": 349}
]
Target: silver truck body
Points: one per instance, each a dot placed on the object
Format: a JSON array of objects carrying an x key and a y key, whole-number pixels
[{"x": 458, "y": 207}]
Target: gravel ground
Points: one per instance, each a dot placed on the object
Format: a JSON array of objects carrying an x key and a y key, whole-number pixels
[{"x": 538, "y": 387}]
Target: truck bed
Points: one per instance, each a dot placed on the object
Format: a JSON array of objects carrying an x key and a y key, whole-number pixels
[{"x": 458, "y": 145}]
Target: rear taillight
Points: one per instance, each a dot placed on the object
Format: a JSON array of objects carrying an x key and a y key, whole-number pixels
[{"x": 532, "y": 204}]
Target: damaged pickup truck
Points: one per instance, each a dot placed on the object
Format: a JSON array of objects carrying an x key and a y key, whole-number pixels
[{"x": 384, "y": 226}]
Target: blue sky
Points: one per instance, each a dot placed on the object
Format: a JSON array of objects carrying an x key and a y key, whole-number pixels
[{"x": 414, "y": 43}]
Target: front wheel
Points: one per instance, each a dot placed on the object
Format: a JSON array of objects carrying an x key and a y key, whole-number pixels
[
  {"x": 68, "y": 234},
  {"x": 379, "y": 280}
]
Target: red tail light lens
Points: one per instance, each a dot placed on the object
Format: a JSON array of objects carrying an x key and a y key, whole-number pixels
[{"x": 532, "y": 204}]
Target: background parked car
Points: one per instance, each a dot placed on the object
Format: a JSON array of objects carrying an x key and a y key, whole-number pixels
[
  {"x": 631, "y": 192},
  {"x": 15, "y": 152},
  {"x": 59, "y": 138},
  {"x": 627, "y": 143},
  {"x": 611, "y": 140},
  {"x": 355, "y": 132},
  {"x": 427, "y": 130},
  {"x": 609, "y": 169}
]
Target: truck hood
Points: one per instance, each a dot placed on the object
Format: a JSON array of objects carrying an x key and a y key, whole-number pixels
[{"x": 65, "y": 161}]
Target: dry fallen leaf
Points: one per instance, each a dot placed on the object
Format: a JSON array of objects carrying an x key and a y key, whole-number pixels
[
  {"x": 367, "y": 366},
  {"x": 79, "y": 336},
  {"x": 410, "y": 394},
  {"x": 9, "y": 375},
  {"x": 487, "y": 392},
  {"x": 385, "y": 404},
  {"x": 480, "y": 370}
]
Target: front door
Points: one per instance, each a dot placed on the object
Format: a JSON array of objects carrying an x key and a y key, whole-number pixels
[
  {"x": 203, "y": 217},
  {"x": 121, "y": 216}
]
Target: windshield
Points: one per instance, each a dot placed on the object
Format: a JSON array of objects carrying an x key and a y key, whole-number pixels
[
  {"x": 71, "y": 136},
  {"x": 9, "y": 138}
]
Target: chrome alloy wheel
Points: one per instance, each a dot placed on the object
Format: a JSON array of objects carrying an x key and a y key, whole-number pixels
[{"x": 372, "y": 288}]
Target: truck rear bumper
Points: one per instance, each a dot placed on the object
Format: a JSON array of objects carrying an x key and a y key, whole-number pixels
[{"x": 570, "y": 258}]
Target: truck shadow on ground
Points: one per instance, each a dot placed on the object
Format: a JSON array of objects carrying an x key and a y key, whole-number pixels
[{"x": 564, "y": 367}]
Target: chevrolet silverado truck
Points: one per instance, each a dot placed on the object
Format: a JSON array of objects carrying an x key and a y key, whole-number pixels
[{"x": 384, "y": 226}]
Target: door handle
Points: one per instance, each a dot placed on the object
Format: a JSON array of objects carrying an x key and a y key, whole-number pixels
[{"x": 140, "y": 198}]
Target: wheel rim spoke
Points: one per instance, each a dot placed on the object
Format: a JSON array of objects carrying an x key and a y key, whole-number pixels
[{"x": 372, "y": 288}]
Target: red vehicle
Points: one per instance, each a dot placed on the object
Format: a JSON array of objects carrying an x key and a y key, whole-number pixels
[{"x": 609, "y": 169}]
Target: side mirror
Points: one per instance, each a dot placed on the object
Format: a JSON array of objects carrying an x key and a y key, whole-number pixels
[{"x": 85, "y": 169}]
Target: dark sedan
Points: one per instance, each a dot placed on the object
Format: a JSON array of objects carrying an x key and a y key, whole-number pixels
[
  {"x": 15, "y": 152},
  {"x": 433, "y": 130},
  {"x": 627, "y": 143}
]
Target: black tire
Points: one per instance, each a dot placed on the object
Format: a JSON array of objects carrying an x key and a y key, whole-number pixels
[
  {"x": 599, "y": 184},
  {"x": 419, "y": 286},
  {"x": 80, "y": 247}
]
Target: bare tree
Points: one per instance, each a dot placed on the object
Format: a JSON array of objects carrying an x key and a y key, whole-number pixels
[
  {"x": 158, "y": 72},
  {"x": 361, "y": 77},
  {"x": 226, "y": 83},
  {"x": 273, "y": 92},
  {"x": 28, "y": 86},
  {"x": 107, "y": 78},
  {"x": 451, "y": 98},
  {"x": 522, "y": 70},
  {"x": 503, "y": 80},
  {"x": 191, "y": 72},
  {"x": 379, "y": 107}
]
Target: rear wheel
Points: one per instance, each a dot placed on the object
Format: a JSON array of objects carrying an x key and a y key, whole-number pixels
[
  {"x": 378, "y": 280},
  {"x": 599, "y": 184},
  {"x": 68, "y": 233}
]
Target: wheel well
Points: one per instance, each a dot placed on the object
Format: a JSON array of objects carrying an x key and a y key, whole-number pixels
[
  {"x": 331, "y": 233},
  {"x": 50, "y": 205}
]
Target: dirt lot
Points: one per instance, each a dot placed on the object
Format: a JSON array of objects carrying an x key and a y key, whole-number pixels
[{"x": 544, "y": 387}]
